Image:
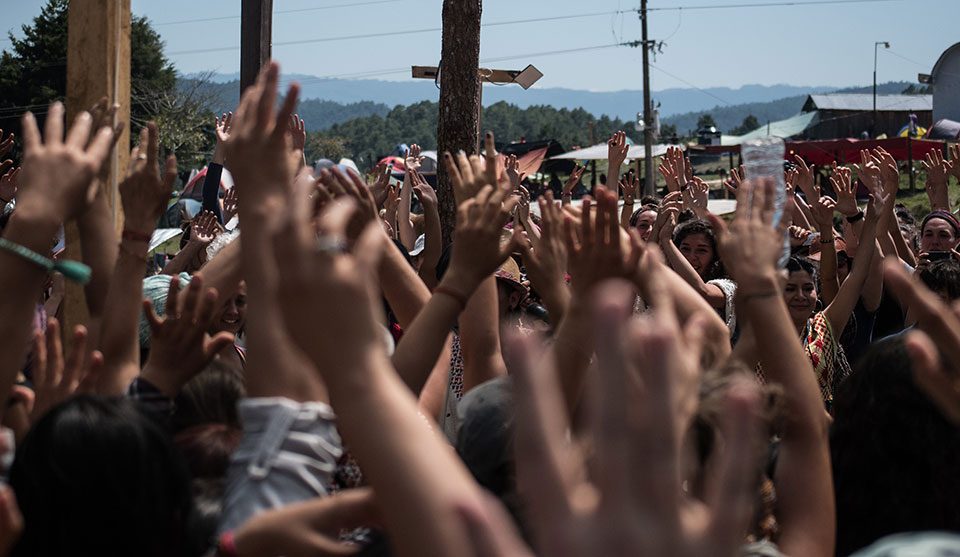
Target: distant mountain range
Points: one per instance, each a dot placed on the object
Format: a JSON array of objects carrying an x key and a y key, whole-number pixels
[{"x": 331, "y": 101}]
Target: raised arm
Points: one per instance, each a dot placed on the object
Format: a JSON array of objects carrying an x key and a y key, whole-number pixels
[
  {"x": 144, "y": 194},
  {"x": 57, "y": 177},
  {"x": 476, "y": 256},
  {"x": 418, "y": 479},
  {"x": 98, "y": 238},
  {"x": 710, "y": 292},
  {"x": 567, "y": 194},
  {"x": 545, "y": 259},
  {"x": 830, "y": 283},
  {"x": 262, "y": 172},
  {"x": 432, "y": 235},
  {"x": 596, "y": 251},
  {"x": 629, "y": 186},
  {"x": 841, "y": 308},
  {"x": 750, "y": 249},
  {"x": 411, "y": 164}
]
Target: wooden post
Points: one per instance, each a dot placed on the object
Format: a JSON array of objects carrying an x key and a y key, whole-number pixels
[
  {"x": 256, "y": 23},
  {"x": 98, "y": 65},
  {"x": 458, "y": 123}
]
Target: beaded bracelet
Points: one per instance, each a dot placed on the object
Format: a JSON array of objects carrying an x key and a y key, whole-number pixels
[{"x": 72, "y": 270}]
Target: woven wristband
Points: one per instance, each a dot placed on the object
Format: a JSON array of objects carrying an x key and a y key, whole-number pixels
[{"x": 72, "y": 270}]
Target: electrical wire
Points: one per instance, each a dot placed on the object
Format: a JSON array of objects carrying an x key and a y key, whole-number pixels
[
  {"x": 688, "y": 84},
  {"x": 764, "y": 5},
  {"x": 399, "y": 33},
  {"x": 278, "y": 12}
]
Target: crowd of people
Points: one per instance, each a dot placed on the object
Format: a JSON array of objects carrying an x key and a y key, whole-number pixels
[{"x": 317, "y": 372}]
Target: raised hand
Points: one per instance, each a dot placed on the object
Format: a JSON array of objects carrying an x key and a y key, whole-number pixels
[
  {"x": 573, "y": 180},
  {"x": 954, "y": 151},
  {"x": 224, "y": 124},
  {"x": 470, "y": 174},
  {"x": 635, "y": 471},
  {"x": 889, "y": 171},
  {"x": 846, "y": 194},
  {"x": 337, "y": 284},
  {"x": 9, "y": 185},
  {"x": 424, "y": 191},
  {"x": 545, "y": 256},
  {"x": 58, "y": 174},
  {"x": 616, "y": 152},
  {"x": 6, "y": 145},
  {"x": 179, "y": 344},
  {"x": 696, "y": 195},
  {"x": 477, "y": 251},
  {"x": 298, "y": 132},
  {"x": 750, "y": 246},
  {"x": 595, "y": 246},
  {"x": 936, "y": 184},
  {"x": 54, "y": 380},
  {"x": 823, "y": 213},
  {"x": 230, "y": 201},
  {"x": 144, "y": 193},
  {"x": 381, "y": 180},
  {"x": 805, "y": 180},
  {"x": 205, "y": 228},
  {"x": 348, "y": 184},
  {"x": 671, "y": 174},
  {"x": 414, "y": 160},
  {"x": 629, "y": 186},
  {"x": 513, "y": 172},
  {"x": 870, "y": 173},
  {"x": 258, "y": 147},
  {"x": 736, "y": 178}
]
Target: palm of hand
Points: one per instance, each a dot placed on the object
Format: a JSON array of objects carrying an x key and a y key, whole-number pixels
[
  {"x": 8, "y": 185},
  {"x": 750, "y": 248}
]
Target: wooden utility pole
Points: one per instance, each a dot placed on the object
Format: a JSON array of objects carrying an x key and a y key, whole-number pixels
[
  {"x": 98, "y": 65},
  {"x": 649, "y": 185},
  {"x": 459, "y": 120},
  {"x": 256, "y": 24}
]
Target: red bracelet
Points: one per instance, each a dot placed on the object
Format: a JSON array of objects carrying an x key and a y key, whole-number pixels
[
  {"x": 460, "y": 298},
  {"x": 226, "y": 547},
  {"x": 135, "y": 236}
]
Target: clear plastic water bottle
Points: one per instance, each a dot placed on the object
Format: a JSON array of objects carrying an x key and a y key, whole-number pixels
[{"x": 763, "y": 158}]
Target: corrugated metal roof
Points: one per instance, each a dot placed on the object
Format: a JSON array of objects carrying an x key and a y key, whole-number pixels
[
  {"x": 784, "y": 129},
  {"x": 864, "y": 102}
]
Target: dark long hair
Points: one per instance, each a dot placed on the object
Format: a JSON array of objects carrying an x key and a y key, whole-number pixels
[
  {"x": 96, "y": 476},
  {"x": 700, "y": 226},
  {"x": 895, "y": 458}
]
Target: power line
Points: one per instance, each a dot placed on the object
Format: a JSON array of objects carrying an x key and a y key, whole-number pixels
[
  {"x": 229, "y": 17},
  {"x": 764, "y": 5},
  {"x": 400, "y": 33},
  {"x": 688, "y": 84}
]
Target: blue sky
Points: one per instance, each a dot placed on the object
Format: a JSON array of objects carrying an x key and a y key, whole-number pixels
[{"x": 825, "y": 44}]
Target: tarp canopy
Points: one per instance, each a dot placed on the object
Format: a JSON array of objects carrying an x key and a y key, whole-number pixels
[
  {"x": 599, "y": 152},
  {"x": 784, "y": 129},
  {"x": 847, "y": 151}
]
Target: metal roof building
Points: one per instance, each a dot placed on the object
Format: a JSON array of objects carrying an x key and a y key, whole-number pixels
[{"x": 851, "y": 114}]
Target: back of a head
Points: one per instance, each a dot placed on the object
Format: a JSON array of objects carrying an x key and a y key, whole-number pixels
[
  {"x": 97, "y": 477},
  {"x": 894, "y": 455},
  {"x": 942, "y": 277}
]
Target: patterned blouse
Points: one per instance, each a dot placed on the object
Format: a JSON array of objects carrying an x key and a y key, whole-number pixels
[{"x": 826, "y": 355}]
